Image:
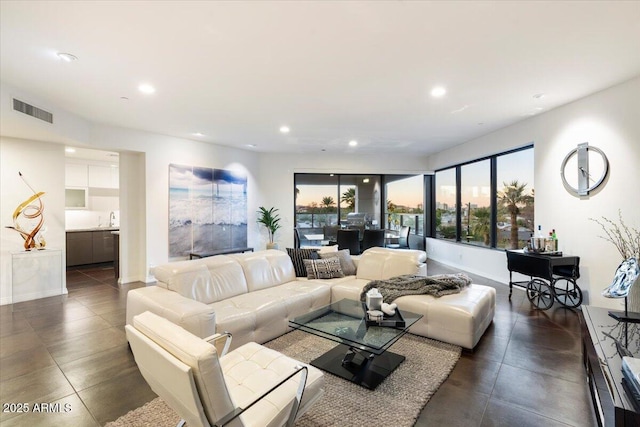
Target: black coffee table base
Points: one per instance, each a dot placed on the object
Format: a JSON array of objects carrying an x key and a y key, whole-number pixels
[{"x": 360, "y": 367}]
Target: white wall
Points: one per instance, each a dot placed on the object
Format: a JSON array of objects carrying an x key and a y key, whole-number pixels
[
  {"x": 609, "y": 120},
  {"x": 160, "y": 151},
  {"x": 144, "y": 168},
  {"x": 42, "y": 165},
  {"x": 133, "y": 249},
  {"x": 276, "y": 180}
]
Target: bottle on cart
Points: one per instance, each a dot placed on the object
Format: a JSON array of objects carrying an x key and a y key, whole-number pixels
[
  {"x": 555, "y": 240},
  {"x": 539, "y": 233},
  {"x": 548, "y": 243}
]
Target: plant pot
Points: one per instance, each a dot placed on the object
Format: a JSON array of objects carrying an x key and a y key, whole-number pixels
[{"x": 272, "y": 245}]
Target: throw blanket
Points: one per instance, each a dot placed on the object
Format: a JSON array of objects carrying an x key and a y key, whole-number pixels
[{"x": 395, "y": 287}]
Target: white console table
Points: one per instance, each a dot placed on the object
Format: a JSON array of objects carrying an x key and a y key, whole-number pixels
[{"x": 36, "y": 274}]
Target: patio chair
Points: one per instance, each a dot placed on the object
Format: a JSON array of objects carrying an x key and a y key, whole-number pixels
[
  {"x": 373, "y": 238},
  {"x": 403, "y": 238},
  {"x": 296, "y": 238},
  {"x": 349, "y": 239}
]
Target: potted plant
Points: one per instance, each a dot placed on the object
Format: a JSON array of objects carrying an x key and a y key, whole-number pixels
[{"x": 271, "y": 220}]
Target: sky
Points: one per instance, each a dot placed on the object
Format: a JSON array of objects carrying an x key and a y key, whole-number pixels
[
  {"x": 476, "y": 179},
  {"x": 406, "y": 192}
]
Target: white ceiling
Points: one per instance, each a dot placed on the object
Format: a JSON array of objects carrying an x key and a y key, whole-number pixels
[{"x": 331, "y": 70}]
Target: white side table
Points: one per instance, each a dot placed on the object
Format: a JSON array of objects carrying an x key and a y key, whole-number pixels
[{"x": 36, "y": 274}]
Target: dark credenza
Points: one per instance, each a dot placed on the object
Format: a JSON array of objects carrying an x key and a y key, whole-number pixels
[{"x": 603, "y": 365}]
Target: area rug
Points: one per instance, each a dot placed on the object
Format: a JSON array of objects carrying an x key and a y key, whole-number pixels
[{"x": 396, "y": 402}]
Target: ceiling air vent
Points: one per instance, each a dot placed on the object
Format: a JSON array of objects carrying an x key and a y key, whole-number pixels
[{"x": 30, "y": 110}]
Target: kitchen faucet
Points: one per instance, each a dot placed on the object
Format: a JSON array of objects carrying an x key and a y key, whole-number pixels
[{"x": 112, "y": 219}]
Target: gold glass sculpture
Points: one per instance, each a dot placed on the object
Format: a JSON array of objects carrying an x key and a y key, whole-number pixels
[{"x": 30, "y": 216}]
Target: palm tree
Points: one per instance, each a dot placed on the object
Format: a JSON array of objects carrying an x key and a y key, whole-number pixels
[
  {"x": 513, "y": 198},
  {"x": 482, "y": 224},
  {"x": 391, "y": 217},
  {"x": 349, "y": 197},
  {"x": 327, "y": 203}
]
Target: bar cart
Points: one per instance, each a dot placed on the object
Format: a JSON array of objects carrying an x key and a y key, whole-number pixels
[{"x": 552, "y": 277}]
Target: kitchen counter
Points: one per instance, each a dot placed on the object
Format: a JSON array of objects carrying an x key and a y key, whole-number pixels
[{"x": 77, "y": 230}]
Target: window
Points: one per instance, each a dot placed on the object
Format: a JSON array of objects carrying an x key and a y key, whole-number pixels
[
  {"x": 405, "y": 202},
  {"x": 357, "y": 200},
  {"x": 475, "y": 191},
  {"x": 316, "y": 203},
  {"x": 488, "y": 202},
  {"x": 514, "y": 221},
  {"x": 446, "y": 206},
  {"x": 326, "y": 200}
]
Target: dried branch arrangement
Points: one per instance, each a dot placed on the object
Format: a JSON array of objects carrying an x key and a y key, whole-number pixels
[{"x": 626, "y": 239}]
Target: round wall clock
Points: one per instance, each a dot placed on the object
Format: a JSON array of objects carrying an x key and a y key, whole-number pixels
[{"x": 584, "y": 169}]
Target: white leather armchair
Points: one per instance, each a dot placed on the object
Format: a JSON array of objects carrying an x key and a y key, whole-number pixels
[{"x": 250, "y": 386}]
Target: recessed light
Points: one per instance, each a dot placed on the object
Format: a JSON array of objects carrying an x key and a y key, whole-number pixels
[
  {"x": 284, "y": 129},
  {"x": 124, "y": 98},
  {"x": 539, "y": 108},
  {"x": 146, "y": 88},
  {"x": 365, "y": 180},
  {"x": 197, "y": 134},
  {"x": 70, "y": 150},
  {"x": 538, "y": 95},
  {"x": 438, "y": 92},
  {"x": 353, "y": 143},
  {"x": 67, "y": 57},
  {"x": 251, "y": 145}
]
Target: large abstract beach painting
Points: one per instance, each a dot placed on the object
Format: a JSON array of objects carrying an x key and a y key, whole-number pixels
[{"x": 207, "y": 210}]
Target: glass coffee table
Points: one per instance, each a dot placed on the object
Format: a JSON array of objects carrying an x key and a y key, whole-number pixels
[{"x": 362, "y": 356}]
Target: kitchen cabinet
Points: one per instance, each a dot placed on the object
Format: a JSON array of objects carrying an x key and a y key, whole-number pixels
[
  {"x": 76, "y": 198},
  {"x": 102, "y": 246},
  {"x": 96, "y": 176},
  {"x": 90, "y": 247},
  {"x": 79, "y": 248},
  {"x": 76, "y": 175},
  {"x": 103, "y": 176}
]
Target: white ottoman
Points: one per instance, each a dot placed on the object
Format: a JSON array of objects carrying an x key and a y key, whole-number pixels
[{"x": 459, "y": 319}]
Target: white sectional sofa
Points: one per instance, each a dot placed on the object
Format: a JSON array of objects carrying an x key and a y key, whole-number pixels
[{"x": 253, "y": 296}]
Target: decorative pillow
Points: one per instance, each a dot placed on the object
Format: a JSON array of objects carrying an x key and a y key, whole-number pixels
[
  {"x": 332, "y": 248},
  {"x": 323, "y": 268},
  {"x": 346, "y": 263},
  {"x": 297, "y": 256}
]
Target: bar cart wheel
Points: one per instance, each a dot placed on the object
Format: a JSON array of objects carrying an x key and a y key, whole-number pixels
[
  {"x": 540, "y": 294},
  {"x": 567, "y": 292}
]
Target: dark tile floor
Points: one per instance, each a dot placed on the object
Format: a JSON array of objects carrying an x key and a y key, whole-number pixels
[{"x": 526, "y": 370}]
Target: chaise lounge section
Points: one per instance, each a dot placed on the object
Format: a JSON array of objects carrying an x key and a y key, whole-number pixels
[{"x": 253, "y": 296}]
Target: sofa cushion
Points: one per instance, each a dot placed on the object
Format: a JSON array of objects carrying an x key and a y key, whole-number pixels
[
  {"x": 264, "y": 269},
  {"x": 205, "y": 280},
  {"x": 346, "y": 263},
  {"x": 263, "y": 315},
  {"x": 328, "y": 268},
  {"x": 298, "y": 255},
  {"x": 383, "y": 263},
  {"x": 331, "y": 248}
]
